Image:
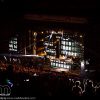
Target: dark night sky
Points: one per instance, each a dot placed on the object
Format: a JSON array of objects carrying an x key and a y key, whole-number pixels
[{"x": 12, "y": 10}]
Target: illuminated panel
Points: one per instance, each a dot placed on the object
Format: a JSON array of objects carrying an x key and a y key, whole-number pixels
[
  {"x": 13, "y": 44},
  {"x": 64, "y": 66},
  {"x": 61, "y": 65},
  {"x": 61, "y": 69},
  {"x": 57, "y": 64},
  {"x": 69, "y": 43},
  {"x": 68, "y": 47}
]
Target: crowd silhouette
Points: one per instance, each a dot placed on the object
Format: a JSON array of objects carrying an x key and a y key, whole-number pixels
[{"x": 48, "y": 84}]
